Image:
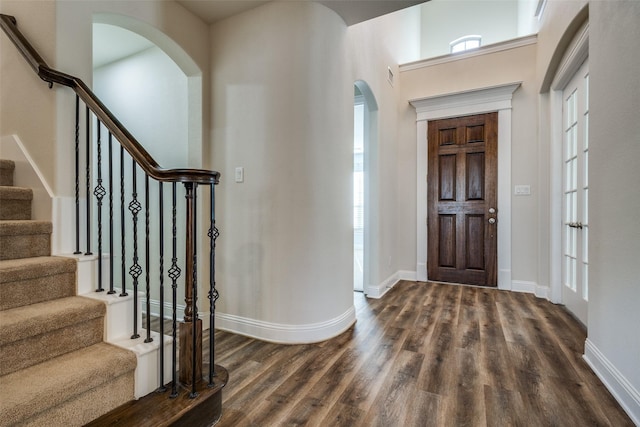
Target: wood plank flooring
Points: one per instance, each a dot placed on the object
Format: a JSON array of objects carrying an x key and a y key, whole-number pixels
[{"x": 424, "y": 355}]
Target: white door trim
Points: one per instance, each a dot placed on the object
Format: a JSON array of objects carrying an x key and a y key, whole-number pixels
[
  {"x": 476, "y": 101},
  {"x": 576, "y": 54}
]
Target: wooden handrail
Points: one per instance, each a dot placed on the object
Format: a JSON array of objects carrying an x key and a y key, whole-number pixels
[{"x": 130, "y": 144}]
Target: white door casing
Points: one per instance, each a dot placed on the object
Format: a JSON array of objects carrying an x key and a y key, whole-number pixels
[
  {"x": 575, "y": 191},
  {"x": 475, "y": 101},
  {"x": 574, "y": 57}
]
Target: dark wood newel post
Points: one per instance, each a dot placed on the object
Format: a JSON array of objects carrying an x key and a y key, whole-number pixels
[{"x": 189, "y": 345}]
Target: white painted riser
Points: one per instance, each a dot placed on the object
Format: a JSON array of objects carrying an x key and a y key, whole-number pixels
[{"x": 117, "y": 326}]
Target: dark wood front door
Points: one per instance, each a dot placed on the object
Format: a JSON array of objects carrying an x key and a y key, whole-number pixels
[{"x": 462, "y": 200}]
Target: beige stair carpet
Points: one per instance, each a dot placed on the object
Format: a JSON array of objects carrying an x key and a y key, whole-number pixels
[{"x": 55, "y": 370}]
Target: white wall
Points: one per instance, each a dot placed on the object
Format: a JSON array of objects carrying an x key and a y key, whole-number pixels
[
  {"x": 614, "y": 241},
  {"x": 25, "y": 98},
  {"x": 148, "y": 92},
  {"x": 528, "y": 23},
  {"x": 613, "y": 345},
  {"x": 376, "y": 46},
  {"x": 514, "y": 65},
  {"x": 444, "y": 21},
  {"x": 283, "y": 110}
]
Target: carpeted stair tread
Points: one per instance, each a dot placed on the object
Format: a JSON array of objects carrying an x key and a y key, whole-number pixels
[
  {"x": 15, "y": 203},
  {"x": 18, "y": 193},
  {"x": 28, "y": 392},
  {"x": 24, "y": 227},
  {"x": 32, "y": 280},
  {"x": 36, "y": 319},
  {"x": 55, "y": 368},
  {"x": 6, "y": 171},
  {"x": 31, "y": 268},
  {"x": 24, "y": 239}
]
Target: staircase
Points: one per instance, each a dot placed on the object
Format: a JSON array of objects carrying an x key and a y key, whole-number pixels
[{"x": 55, "y": 369}]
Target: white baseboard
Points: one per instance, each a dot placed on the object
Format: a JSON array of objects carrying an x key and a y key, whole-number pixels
[
  {"x": 622, "y": 390},
  {"x": 411, "y": 276},
  {"x": 286, "y": 334},
  {"x": 531, "y": 288},
  {"x": 379, "y": 290},
  {"x": 384, "y": 287},
  {"x": 516, "y": 285},
  {"x": 168, "y": 313}
]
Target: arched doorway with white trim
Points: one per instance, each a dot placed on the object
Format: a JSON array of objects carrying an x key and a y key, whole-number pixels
[{"x": 365, "y": 186}]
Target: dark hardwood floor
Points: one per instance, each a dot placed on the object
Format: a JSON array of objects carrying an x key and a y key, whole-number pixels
[{"x": 424, "y": 355}]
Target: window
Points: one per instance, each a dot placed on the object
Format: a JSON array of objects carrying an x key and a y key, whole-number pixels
[{"x": 465, "y": 43}]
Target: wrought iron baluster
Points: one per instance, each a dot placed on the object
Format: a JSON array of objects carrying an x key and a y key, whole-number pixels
[
  {"x": 213, "y": 292},
  {"x": 135, "y": 270},
  {"x": 111, "y": 280},
  {"x": 88, "y": 181},
  {"x": 174, "y": 274},
  {"x": 77, "y": 186},
  {"x": 194, "y": 291},
  {"x": 123, "y": 268},
  {"x": 147, "y": 253},
  {"x": 161, "y": 233},
  {"x": 99, "y": 192}
]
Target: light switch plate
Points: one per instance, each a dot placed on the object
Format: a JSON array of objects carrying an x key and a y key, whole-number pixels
[
  {"x": 239, "y": 174},
  {"x": 522, "y": 190}
]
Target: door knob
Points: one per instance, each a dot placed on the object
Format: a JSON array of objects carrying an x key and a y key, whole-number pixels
[
  {"x": 492, "y": 220},
  {"x": 492, "y": 210}
]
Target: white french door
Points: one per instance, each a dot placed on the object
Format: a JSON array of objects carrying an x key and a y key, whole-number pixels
[{"x": 575, "y": 188}]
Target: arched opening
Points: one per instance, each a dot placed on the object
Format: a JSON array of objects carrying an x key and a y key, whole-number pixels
[
  {"x": 155, "y": 90},
  {"x": 152, "y": 86},
  {"x": 364, "y": 185}
]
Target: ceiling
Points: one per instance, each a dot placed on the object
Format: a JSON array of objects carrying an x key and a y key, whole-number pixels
[
  {"x": 112, "y": 43},
  {"x": 352, "y": 11}
]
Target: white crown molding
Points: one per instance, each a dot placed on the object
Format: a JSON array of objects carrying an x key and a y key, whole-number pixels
[
  {"x": 474, "y": 101},
  {"x": 483, "y": 50}
]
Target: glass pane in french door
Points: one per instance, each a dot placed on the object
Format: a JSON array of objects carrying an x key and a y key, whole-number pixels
[{"x": 575, "y": 190}]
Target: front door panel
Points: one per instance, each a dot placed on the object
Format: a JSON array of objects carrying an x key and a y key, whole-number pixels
[{"x": 462, "y": 200}]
